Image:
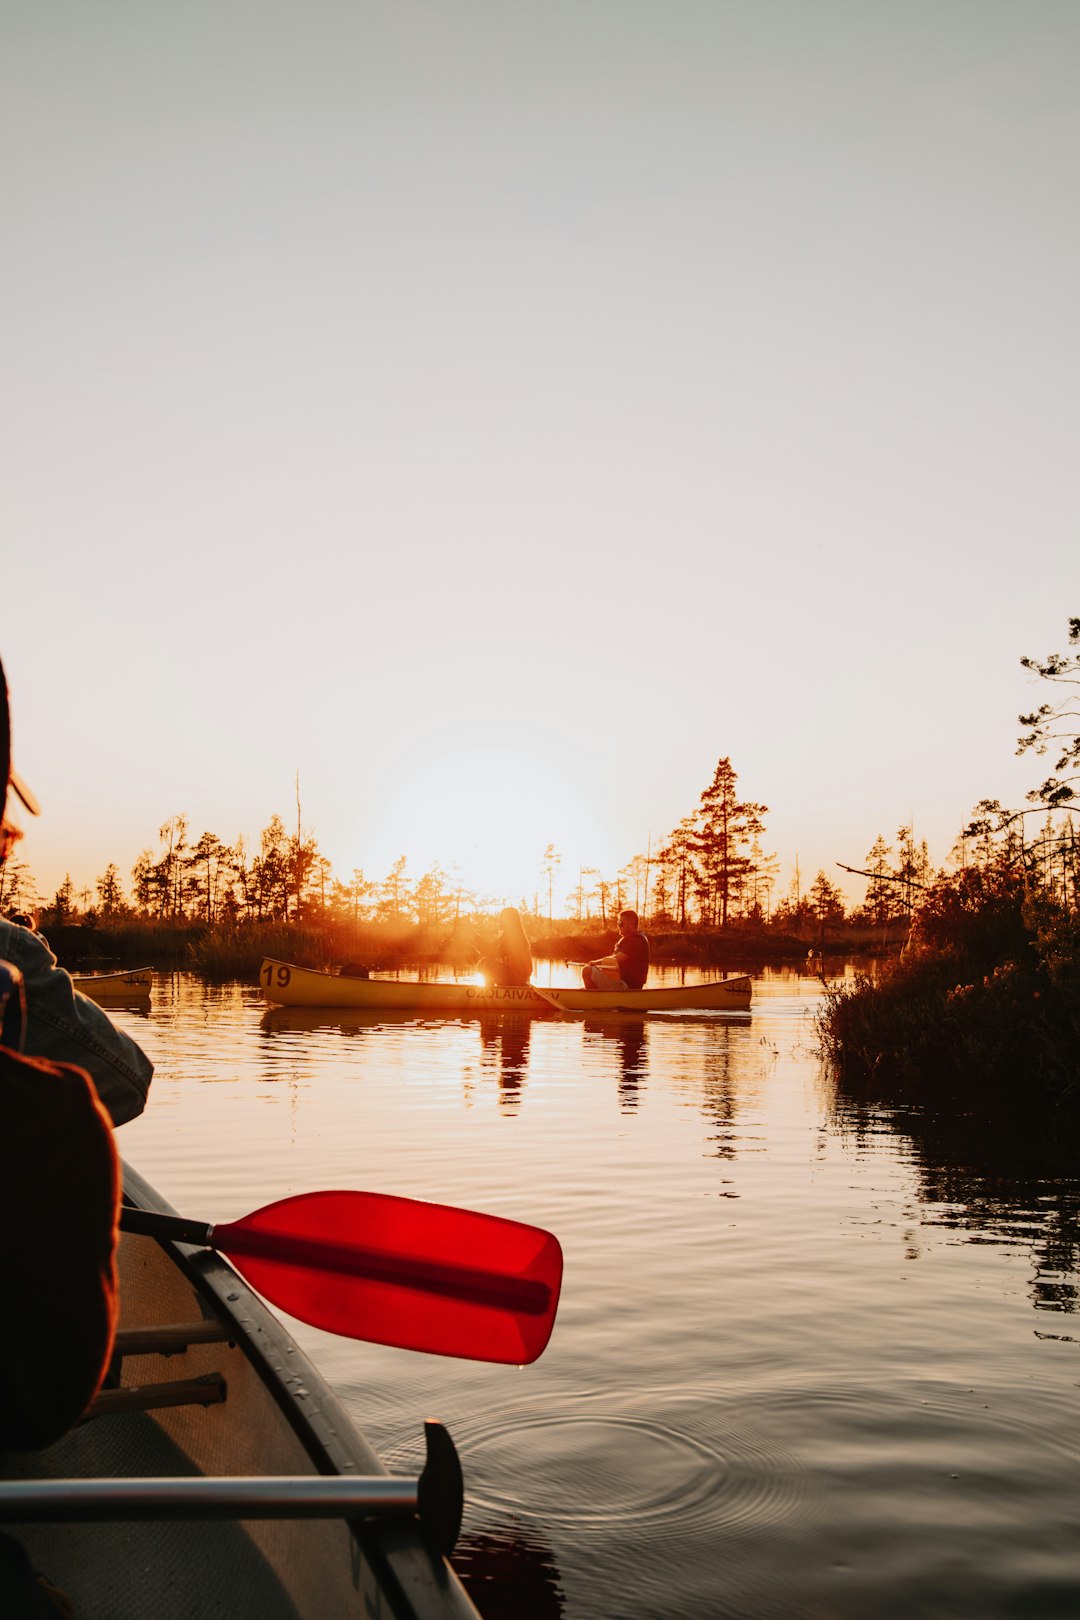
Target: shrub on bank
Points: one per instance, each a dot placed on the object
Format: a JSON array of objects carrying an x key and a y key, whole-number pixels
[{"x": 987, "y": 993}]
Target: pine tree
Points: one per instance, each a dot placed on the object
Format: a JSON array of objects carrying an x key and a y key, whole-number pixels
[
  {"x": 880, "y": 902},
  {"x": 1053, "y": 725},
  {"x": 726, "y": 828}
]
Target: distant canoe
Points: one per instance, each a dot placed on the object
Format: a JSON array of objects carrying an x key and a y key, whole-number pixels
[
  {"x": 286, "y": 985},
  {"x": 131, "y": 986}
]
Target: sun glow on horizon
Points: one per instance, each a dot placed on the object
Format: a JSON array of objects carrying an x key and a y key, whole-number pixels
[{"x": 485, "y": 815}]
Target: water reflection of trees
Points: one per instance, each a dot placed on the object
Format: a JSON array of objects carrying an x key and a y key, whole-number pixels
[
  {"x": 1005, "y": 1178},
  {"x": 700, "y": 1052},
  {"x": 510, "y": 1574},
  {"x": 711, "y": 1061}
]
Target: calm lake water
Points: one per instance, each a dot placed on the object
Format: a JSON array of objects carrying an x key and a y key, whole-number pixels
[{"x": 811, "y": 1361}]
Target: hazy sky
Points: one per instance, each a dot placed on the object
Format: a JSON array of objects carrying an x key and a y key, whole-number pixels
[{"x": 499, "y": 411}]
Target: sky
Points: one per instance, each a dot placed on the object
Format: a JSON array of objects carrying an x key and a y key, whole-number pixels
[{"x": 497, "y": 411}]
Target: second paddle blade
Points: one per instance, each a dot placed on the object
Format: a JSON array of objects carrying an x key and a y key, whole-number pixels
[{"x": 398, "y": 1271}]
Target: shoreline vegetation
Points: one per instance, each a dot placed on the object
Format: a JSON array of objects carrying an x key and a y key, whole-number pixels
[
  {"x": 976, "y": 998},
  {"x": 221, "y": 953},
  {"x": 705, "y": 895},
  {"x": 980, "y": 1012}
]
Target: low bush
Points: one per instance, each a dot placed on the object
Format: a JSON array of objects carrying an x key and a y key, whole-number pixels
[{"x": 987, "y": 993}]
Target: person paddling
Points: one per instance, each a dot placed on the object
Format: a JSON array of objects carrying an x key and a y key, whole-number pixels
[
  {"x": 511, "y": 961},
  {"x": 627, "y": 967}
]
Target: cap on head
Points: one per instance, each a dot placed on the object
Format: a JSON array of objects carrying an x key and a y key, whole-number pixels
[{"x": 7, "y": 775}]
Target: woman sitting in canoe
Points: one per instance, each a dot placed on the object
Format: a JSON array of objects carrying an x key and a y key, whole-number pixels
[{"x": 511, "y": 961}]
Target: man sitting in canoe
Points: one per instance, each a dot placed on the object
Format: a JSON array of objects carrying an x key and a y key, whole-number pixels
[
  {"x": 511, "y": 961},
  {"x": 627, "y": 967}
]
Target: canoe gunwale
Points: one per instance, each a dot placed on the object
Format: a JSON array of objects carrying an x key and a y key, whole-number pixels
[{"x": 122, "y": 976}]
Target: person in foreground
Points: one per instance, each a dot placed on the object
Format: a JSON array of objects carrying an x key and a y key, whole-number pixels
[
  {"x": 59, "y": 1205},
  {"x": 627, "y": 967},
  {"x": 61, "y": 1024},
  {"x": 511, "y": 961}
]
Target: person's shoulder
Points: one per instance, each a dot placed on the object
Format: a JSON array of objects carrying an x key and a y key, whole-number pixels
[
  {"x": 27, "y": 949},
  {"x": 14, "y": 937}
]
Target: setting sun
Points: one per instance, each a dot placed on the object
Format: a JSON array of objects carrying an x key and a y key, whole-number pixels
[{"x": 485, "y": 813}]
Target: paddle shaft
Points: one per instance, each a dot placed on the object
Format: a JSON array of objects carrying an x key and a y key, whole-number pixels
[
  {"x": 427, "y": 1275},
  {"x": 149, "y": 1223},
  {"x": 564, "y": 1012}
]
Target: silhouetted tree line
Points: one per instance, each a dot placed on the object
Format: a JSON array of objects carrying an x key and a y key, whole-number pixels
[
  {"x": 710, "y": 872},
  {"x": 287, "y": 880},
  {"x": 713, "y": 870}
]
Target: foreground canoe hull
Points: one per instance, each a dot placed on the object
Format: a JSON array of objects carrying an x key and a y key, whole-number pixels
[
  {"x": 249, "y": 1404},
  {"x": 286, "y": 985}
]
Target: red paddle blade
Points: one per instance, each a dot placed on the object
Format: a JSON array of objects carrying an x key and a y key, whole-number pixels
[{"x": 398, "y": 1271}]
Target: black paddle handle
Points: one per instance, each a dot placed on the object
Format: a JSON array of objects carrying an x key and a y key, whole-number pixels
[{"x": 151, "y": 1223}]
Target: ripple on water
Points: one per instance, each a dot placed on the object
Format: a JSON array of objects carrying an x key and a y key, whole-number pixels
[{"x": 595, "y": 1462}]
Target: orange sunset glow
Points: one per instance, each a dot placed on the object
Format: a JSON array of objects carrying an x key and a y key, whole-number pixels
[{"x": 539, "y": 872}]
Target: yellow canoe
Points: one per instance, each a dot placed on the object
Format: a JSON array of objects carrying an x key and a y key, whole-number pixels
[
  {"x": 286, "y": 985},
  {"x": 133, "y": 985}
]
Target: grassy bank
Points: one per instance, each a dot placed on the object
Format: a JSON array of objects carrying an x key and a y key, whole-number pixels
[
  {"x": 236, "y": 952},
  {"x": 222, "y": 952}
]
